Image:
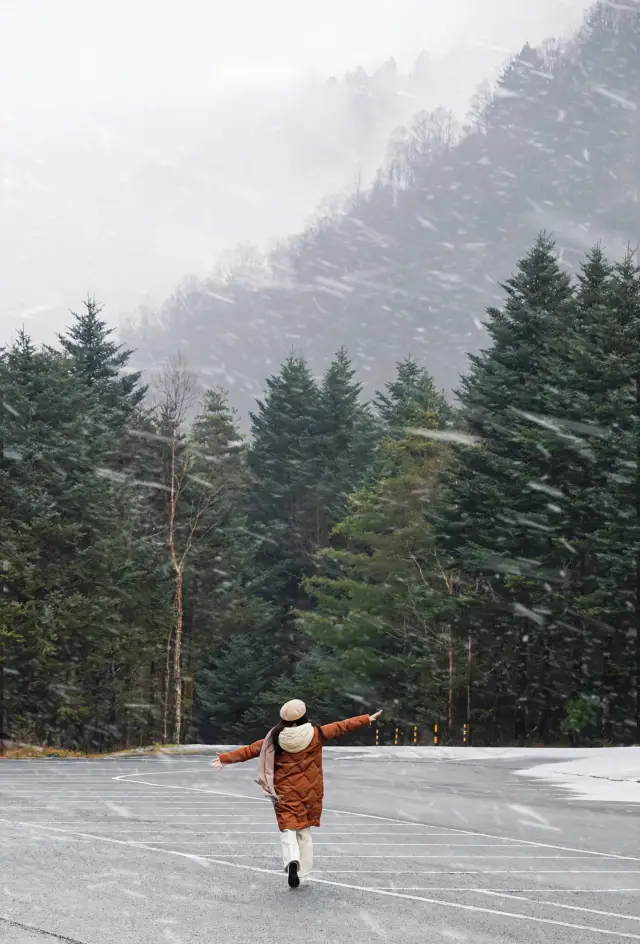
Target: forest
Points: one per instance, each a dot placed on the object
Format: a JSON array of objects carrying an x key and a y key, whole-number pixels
[
  {"x": 165, "y": 579},
  {"x": 179, "y": 557}
]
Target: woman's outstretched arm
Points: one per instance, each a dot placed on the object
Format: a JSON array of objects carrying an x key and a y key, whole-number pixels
[
  {"x": 239, "y": 755},
  {"x": 338, "y": 728}
]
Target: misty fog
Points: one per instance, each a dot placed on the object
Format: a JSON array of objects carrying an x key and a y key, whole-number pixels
[{"x": 139, "y": 142}]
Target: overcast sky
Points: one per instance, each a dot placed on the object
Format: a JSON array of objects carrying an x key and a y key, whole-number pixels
[
  {"x": 65, "y": 50},
  {"x": 66, "y": 58}
]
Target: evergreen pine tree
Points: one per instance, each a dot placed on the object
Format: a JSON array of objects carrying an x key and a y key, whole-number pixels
[
  {"x": 347, "y": 438},
  {"x": 232, "y": 679},
  {"x": 594, "y": 441},
  {"x": 224, "y": 613},
  {"x": 285, "y": 458},
  {"x": 583, "y": 474},
  {"x": 310, "y": 448},
  {"x": 617, "y": 542},
  {"x": 494, "y": 522},
  {"x": 412, "y": 390},
  {"x": 84, "y": 598},
  {"x": 101, "y": 363},
  {"x": 377, "y": 613},
  {"x": 322, "y": 681}
]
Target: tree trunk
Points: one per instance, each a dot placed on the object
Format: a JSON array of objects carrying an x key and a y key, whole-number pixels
[
  {"x": 450, "y": 689},
  {"x": 177, "y": 663},
  {"x": 167, "y": 685},
  {"x": 3, "y": 721},
  {"x": 522, "y": 701},
  {"x": 178, "y": 596},
  {"x": 469, "y": 682}
]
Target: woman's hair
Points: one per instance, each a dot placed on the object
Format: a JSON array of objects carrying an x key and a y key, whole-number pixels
[{"x": 281, "y": 725}]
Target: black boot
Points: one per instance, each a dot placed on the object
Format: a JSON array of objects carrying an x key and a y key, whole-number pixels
[{"x": 294, "y": 880}]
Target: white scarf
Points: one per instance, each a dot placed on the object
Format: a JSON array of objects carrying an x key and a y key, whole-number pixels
[{"x": 297, "y": 738}]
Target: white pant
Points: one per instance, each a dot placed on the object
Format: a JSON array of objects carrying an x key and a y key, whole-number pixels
[{"x": 297, "y": 846}]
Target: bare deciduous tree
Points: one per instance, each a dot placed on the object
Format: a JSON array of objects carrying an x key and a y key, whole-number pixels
[{"x": 189, "y": 499}]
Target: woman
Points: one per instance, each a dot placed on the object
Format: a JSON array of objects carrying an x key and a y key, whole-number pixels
[{"x": 290, "y": 774}]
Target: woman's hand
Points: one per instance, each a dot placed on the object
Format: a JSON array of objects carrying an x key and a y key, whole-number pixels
[
  {"x": 375, "y": 717},
  {"x": 217, "y": 763}
]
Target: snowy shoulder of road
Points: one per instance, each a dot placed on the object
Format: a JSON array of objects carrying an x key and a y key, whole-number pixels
[{"x": 611, "y": 774}]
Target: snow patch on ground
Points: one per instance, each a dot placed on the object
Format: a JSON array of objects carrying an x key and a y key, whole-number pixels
[{"x": 611, "y": 774}]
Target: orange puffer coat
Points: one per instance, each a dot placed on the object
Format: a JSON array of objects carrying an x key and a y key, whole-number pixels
[{"x": 298, "y": 777}]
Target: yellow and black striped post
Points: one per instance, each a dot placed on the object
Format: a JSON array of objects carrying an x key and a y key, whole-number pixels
[
  {"x": 415, "y": 734},
  {"x": 396, "y": 736},
  {"x": 465, "y": 734},
  {"x": 436, "y": 736},
  {"x": 377, "y": 735}
]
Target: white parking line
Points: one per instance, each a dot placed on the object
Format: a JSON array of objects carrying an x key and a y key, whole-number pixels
[
  {"x": 553, "y": 904},
  {"x": 400, "y": 855},
  {"x": 358, "y": 845},
  {"x": 456, "y": 906},
  {"x": 540, "y": 891},
  {"x": 390, "y": 819},
  {"x": 462, "y": 907},
  {"x": 159, "y": 823},
  {"x": 273, "y": 831},
  {"x": 481, "y": 872}
]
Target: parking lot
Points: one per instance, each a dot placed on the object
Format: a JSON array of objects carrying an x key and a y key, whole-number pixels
[{"x": 166, "y": 849}]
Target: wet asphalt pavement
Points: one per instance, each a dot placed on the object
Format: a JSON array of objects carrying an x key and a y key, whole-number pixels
[{"x": 425, "y": 850}]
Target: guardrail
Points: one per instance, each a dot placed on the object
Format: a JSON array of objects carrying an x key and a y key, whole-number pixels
[{"x": 393, "y": 734}]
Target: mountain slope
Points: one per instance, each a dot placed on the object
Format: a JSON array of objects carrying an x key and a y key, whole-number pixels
[{"x": 409, "y": 265}]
